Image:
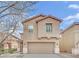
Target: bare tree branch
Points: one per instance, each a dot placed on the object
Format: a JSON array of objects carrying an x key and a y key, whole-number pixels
[
  {"x": 8, "y": 7},
  {"x": 10, "y": 16}
]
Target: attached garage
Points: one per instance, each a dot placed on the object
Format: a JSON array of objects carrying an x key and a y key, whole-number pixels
[{"x": 41, "y": 47}]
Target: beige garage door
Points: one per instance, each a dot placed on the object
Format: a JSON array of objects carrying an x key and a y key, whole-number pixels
[{"x": 37, "y": 47}]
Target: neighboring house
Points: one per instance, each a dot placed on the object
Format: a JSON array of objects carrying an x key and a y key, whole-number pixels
[
  {"x": 41, "y": 34},
  {"x": 70, "y": 39},
  {"x": 11, "y": 42}
]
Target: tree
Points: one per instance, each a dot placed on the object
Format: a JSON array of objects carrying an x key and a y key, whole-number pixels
[{"x": 11, "y": 14}]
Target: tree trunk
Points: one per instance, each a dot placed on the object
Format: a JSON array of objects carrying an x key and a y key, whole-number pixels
[{"x": 21, "y": 46}]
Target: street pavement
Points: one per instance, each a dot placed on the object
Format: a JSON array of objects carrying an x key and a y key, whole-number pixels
[{"x": 38, "y": 56}]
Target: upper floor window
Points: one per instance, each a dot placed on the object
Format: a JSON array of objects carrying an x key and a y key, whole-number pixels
[
  {"x": 48, "y": 27},
  {"x": 30, "y": 28}
]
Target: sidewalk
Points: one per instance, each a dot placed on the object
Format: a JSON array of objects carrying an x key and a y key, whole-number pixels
[{"x": 17, "y": 55}]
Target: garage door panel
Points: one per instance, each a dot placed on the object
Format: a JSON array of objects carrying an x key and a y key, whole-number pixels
[{"x": 37, "y": 47}]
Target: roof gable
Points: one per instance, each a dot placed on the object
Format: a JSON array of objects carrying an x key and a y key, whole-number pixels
[
  {"x": 49, "y": 17},
  {"x": 74, "y": 23},
  {"x": 34, "y": 17}
]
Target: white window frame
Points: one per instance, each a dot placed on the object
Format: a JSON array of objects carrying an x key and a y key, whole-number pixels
[{"x": 48, "y": 27}]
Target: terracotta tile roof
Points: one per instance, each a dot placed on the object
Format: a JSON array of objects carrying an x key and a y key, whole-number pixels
[
  {"x": 53, "y": 17},
  {"x": 74, "y": 23},
  {"x": 33, "y": 18}
]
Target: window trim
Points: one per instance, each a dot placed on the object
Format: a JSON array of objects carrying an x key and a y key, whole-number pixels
[
  {"x": 48, "y": 27},
  {"x": 30, "y": 29}
]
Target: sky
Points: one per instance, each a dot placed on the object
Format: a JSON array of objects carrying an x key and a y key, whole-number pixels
[{"x": 68, "y": 11}]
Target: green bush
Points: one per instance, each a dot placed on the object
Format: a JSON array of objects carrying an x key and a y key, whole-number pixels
[
  {"x": 1, "y": 50},
  {"x": 5, "y": 50},
  {"x": 12, "y": 50}
]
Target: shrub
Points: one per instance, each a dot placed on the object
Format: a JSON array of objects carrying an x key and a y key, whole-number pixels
[
  {"x": 1, "y": 50},
  {"x": 12, "y": 50}
]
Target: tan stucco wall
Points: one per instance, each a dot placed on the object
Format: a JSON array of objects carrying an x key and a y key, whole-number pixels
[
  {"x": 42, "y": 28},
  {"x": 39, "y": 27},
  {"x": 26, "y": 34},
  {"x": 76, "y": 34},
  {"x": 69, "y": 39}
]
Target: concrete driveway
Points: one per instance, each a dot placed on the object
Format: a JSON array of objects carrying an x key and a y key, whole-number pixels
[{"x": 37, "y": 56}]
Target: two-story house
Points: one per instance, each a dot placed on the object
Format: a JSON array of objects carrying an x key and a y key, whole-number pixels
[
  {"x": 41, "y": 34},
  {"x": 70, "y": 39}
]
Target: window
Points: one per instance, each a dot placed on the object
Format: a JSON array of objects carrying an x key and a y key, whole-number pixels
[
  {"x": 48, "y": 27},
  {"x": 30, "y": 28}
]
